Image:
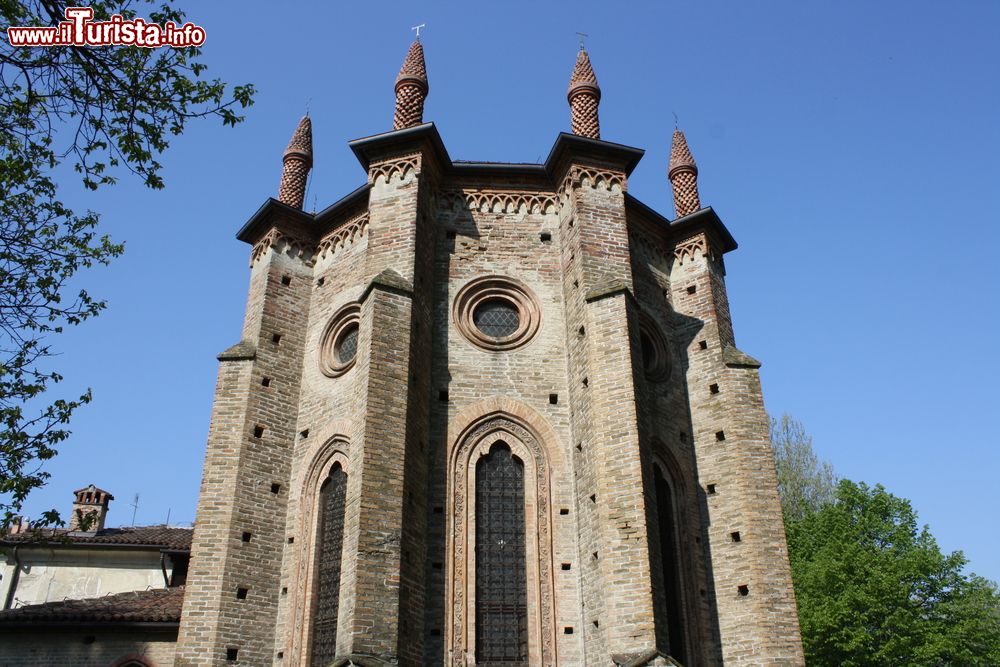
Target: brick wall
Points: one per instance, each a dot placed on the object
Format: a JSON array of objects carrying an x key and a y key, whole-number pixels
[
  {"x": 85, "y": 648},
  {"x": 573, "y": 399},
  {"x": 245, "y": 484},
  {"x": 752, "y": 593}
]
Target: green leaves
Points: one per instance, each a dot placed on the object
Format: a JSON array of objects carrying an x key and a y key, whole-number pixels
[
  {"x": 804, "y": 482},
  {"x": 103, "y": 109},
  {"x": 874, "y": 589}
]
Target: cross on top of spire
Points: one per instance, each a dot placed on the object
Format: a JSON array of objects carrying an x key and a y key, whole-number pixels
[{"x": 417, "y": 29}]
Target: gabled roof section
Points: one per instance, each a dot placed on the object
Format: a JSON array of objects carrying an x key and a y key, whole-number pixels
[
  {"x": 265, "y": 216},
  {"x": 145, "y": 537},
  {"x": 567, "y": 144},
  {"x": 161, "y": 606},
  {"x": 370, "y": 149},
  {"x": 93, "y": 489},
  {"x": 356, "y": 198},
  {"x": 704, "y": 219}
]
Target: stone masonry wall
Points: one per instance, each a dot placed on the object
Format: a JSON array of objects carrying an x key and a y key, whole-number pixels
[
  {"x": 234, "y": 582},
  {"x": 85, "y": 648},
  {"x": 397, "y": 417},
  {"x": 328, "y": 408},
  {"x": 752, "y": 593},
  {"x": 513, "y": 241},
  {"x": 618, "y": 498},
  {"x": 665, "y": 413}
]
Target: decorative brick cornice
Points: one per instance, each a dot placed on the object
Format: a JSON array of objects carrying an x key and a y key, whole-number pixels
[
  {"x": 648, "y": 246},
  {"x": 593, "y": 178},
  {"x": 394, "y": 167},
  {"x": 343, "y": 235},
  {"x": 691, "y": 248},
  {"x": 500, "y": 201},
  {"x": 282, "y": 241}
]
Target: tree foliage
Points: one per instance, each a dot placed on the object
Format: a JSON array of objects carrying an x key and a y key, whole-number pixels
[
  {"x": 805, "y": 483},
  {"x": 874, "y": 589},
  {"x": 104, "y": 111}
]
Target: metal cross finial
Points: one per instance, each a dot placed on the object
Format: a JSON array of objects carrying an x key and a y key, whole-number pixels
[
  {"x": 417, "y": 28},
  {"x": 676, "y": 122},
  {"x": 583, "y": 36},
  {"x": 308, "y": 102}
]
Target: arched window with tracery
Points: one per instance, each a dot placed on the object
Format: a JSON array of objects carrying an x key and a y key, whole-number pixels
[
  {"x": 671, "y": 561},
  {"x": 501, "y": 585},
  {"x": 501, "y": 592},
  {"x": 329, "y": 547}
]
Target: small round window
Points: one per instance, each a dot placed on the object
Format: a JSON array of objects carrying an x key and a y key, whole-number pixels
[
  {"x": 496, "y": 318},
  {"x": 338, "y": 349},
  {"x": 496, "y": 313},
  {"x": 347, "y": 345}
]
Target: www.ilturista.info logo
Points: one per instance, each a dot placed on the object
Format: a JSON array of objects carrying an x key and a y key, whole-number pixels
[{"x": 80, "y": 30}]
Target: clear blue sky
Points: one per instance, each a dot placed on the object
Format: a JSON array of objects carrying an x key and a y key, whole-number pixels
[{"x": 851, "y": 148}]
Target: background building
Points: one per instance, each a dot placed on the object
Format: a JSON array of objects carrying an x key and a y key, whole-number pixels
[{"x": 92, "y": 595}]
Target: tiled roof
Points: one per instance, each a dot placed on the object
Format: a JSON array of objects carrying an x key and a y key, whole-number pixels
[
  {"x": 156, "y": 536},
  {"x": 94, "y": 489},
  {"x": 151, "y": 606}
]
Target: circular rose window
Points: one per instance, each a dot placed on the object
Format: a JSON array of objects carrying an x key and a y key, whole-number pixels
[
  {"x": 347, "y": 345},
  {"x": 496, "y": 313},
  {"x": 496, "y": 318},
  {"x": 338, "y": 348}
]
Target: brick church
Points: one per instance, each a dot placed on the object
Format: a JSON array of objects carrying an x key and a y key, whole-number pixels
[{"x": 488, "y": 414}]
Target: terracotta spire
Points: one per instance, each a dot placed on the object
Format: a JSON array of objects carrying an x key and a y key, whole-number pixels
[
  {"x": 298, "y": 161},
  {"x": 683, "y": 175},
  {"x": 411, "y": 89},
  {"x": 584, "y": 95}
]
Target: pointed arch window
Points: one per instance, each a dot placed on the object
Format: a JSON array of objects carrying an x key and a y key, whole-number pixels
[
  {"x": 329, "y": 548},
  {"x": 501, "y": 592},
  {"x": 670, "y": 559},
  {"x": 501, "y": 586}
]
